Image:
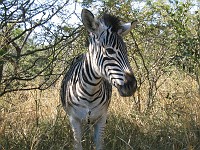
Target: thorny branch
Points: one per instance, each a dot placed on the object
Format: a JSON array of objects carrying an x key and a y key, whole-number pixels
[{"x": 21, "y": 60}]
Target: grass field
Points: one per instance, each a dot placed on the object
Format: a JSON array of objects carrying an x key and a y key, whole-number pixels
[{"x": 35, "y": 120}]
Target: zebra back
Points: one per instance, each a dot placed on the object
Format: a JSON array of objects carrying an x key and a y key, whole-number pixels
[{"x": 67, "y": 77}]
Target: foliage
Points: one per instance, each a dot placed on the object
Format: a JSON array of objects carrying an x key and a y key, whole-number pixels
[
  {"x": 32, "y": 44},
  {"x": 35, "y": 50}
]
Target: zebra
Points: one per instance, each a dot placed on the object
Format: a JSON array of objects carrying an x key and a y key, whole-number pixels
[{"x": 86, "y": 88}]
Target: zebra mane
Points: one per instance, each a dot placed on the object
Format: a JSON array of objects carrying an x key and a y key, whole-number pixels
[{"x": 111, "y": 21}]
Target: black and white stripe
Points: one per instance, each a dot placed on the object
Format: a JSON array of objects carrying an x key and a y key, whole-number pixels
[{"x": 87, "y": 87}]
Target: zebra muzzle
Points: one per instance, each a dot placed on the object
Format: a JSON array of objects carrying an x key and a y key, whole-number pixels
[{"x": 129, "y": 87}]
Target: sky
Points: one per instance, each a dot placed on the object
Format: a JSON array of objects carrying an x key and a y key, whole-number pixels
[
  {"x": 76, "y": 9},
  {"x": 72, "y": 11}
]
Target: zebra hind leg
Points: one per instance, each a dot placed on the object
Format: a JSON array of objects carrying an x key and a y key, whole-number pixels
[
  {"x": 98, "y": 133},
  {"x": 77, "y": 131}
]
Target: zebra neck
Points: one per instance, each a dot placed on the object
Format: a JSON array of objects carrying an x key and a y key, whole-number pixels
[{"x": 91, "y": 80}]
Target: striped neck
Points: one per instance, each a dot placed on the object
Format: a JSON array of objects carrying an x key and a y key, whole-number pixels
[{"x": 91, "y": 82}]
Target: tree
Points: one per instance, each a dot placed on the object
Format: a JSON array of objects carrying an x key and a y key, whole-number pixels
[
  {"x": 32, "y": 45},
  {"x": 35, "y": 50},
  {"x": 186, "y": 27}
]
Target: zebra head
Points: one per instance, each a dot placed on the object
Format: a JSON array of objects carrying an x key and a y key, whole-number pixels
[{"x": 109, "y": 52}]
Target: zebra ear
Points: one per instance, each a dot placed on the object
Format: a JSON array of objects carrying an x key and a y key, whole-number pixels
[
  {"x": 127, "y": 27},
  {"x": 89, "y": 21}
]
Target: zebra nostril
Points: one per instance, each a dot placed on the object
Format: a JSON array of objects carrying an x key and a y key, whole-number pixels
[{"x": 131, "y": 81}]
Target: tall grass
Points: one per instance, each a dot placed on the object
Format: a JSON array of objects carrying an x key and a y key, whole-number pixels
[{"x": 35, "y": 120}]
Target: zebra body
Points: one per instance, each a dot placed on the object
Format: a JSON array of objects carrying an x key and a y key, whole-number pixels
[
  {"x": 86, "y": 100},
  {"x": 87, "y": 87}
]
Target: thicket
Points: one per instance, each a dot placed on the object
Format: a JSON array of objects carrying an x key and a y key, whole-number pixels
[{"x": 38, "y": 40}]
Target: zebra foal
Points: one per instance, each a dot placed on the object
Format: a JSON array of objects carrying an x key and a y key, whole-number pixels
[{"x": 87, "y": 86}]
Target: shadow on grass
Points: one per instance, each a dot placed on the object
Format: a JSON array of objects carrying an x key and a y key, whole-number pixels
[{"x": 121, "y": 134}]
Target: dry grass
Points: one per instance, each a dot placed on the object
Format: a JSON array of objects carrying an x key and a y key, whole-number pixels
[{"x": 35, "y": 120}]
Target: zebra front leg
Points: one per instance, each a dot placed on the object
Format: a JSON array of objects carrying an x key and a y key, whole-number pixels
[
  {"x": 77, "y": 131},
  {"x": 98, "y": 132}
]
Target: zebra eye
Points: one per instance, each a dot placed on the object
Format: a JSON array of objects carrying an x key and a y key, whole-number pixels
[{"x": 110, "y": 51}]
